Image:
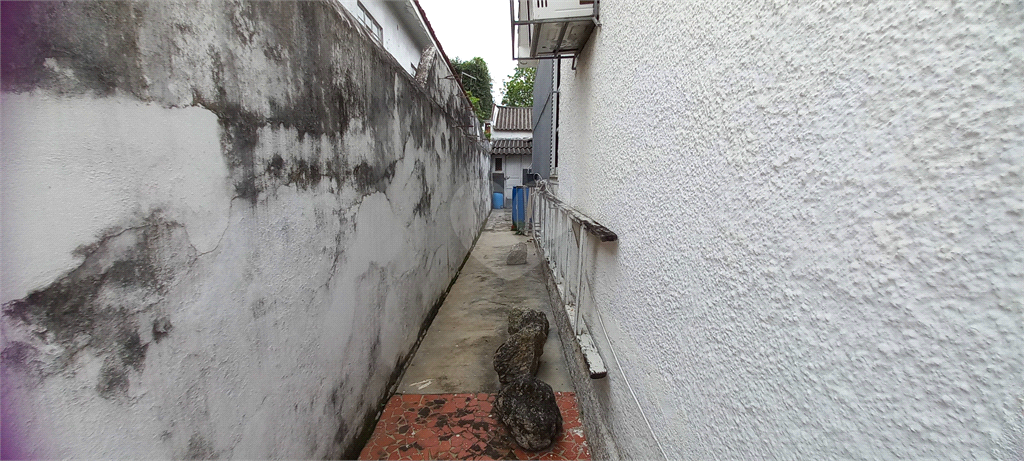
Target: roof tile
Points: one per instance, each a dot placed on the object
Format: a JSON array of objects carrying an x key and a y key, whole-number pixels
[
  {"x": 513, "y": 118},
  {"x": 512, "y": 147}
]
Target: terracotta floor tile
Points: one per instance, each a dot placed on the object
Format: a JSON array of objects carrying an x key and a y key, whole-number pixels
[{"x": 463, "y": 426}]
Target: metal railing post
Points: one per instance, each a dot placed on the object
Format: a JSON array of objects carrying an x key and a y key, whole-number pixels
[
  {"x": 579, "y": 281},
  {"x": 564, "y": 244}
]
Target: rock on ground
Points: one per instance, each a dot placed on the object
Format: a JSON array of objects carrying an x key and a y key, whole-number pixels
[
  {"x": 527, "y": 407},
  {"x": 520, "y": 354},
  {"x": 519, "y": 318},
  {"x": 517, "y": 255}
]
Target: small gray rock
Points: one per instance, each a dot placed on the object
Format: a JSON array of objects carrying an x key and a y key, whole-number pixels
[
  {"x": 527, "y": 407},
  {"x": 517, "y": 255}
]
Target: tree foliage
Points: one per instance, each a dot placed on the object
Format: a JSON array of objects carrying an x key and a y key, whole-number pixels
[
  {"x": 476, "y": 79},
  {"x": 517, "y": 91},
  {"x": 475, "y": 102}
]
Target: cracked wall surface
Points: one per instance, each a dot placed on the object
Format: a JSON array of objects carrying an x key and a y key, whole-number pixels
[
  {"x": 821, "y": 227},
  {"x": 223, "y": 226}
]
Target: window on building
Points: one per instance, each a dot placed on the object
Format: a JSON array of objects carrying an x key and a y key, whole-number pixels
[
  {"x": 367, "y": 19},
  {"x": 498, "y": 164}
]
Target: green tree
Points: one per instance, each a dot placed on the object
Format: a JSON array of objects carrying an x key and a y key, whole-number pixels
[
  {"x": 476, "y": 79},
  {"x": 518, "y": 89}
]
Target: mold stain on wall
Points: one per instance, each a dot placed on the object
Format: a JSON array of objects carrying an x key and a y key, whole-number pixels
[{"x": 104, "y": 307}]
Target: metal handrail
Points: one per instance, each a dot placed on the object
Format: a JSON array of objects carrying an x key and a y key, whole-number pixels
[
  {"x": 598, "y": 230},
  {"x": 563, "y": 235}
]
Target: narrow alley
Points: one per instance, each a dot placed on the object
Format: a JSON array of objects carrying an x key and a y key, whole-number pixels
[
  {"x": 443, "y": 407},
  {"x": 241, "y": 229}
]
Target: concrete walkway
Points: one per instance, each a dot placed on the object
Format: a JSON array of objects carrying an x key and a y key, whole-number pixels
[
  {"x": 443, "y": 406},
  {"x": 456, "y": 354}
]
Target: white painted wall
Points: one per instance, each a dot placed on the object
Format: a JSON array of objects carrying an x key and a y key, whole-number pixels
[
  {"x": 820, "y": 210},
  {"x": 504, "y": 134},
  {"x": 403, "y": 40},
  {"x": 127, "y": 159}
]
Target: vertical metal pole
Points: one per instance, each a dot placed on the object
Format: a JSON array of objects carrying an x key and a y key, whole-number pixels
[
  {"x": 530, "y": 219},
  {"x": 570, "y": 276},
  {"x": 529, "y": 213},
  {"x": 544, "y": 232},
  {"x": 579, "y": 280},
  {"x": 512, "y": 14},
  {"x": 566, "y": 237},
  {"x": 561, "y": 250},
  {"x": 561, "y": 247},
  {"x": 552, "y": 247},
  {"x": 541, "y": 220},
  {"x": 554, "y": 241},
  {"x": 548, "y": 231}
]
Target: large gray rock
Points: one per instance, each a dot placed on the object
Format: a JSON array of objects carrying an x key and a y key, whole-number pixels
[
  {"x": 520, "y": 354},
  {"x": 519, "y": 318},
  {"x": 527, "y": 407},
  {"x": 517, "y": 255}
]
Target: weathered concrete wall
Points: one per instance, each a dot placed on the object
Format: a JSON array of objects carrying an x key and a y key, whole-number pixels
[
  {"x": 224, "y": 224},
  {"x": 819, "y": 207}
]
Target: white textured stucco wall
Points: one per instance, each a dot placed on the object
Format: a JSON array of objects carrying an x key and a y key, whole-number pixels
[
  {"x": 223, "y": 226},
  {"x": 820, "y": 210}
]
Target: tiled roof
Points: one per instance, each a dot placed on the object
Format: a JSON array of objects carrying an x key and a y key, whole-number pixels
[
  {"x": 513, "y": 118},
  {"x": 512, "y": 147}
]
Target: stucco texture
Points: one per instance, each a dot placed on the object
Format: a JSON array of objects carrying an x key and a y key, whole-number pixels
[
  {"x": 224, "y": 226},
  {"x": 819, "y": 210}
]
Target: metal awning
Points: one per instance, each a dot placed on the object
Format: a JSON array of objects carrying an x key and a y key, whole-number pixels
[{"x": 550, "y": 29}]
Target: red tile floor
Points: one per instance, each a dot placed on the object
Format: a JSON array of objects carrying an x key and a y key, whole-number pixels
[{"x": 463, "y": 426}]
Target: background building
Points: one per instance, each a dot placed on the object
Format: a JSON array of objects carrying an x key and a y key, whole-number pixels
[{"x": 511, "y": 148}]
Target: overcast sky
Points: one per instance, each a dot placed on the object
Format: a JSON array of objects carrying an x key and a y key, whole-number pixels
[{"x": 470, "y": 28}]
